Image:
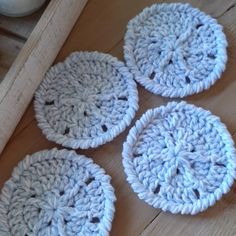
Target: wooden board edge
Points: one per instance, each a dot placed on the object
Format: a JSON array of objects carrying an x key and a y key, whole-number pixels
[{"x": 37, "y": 55}]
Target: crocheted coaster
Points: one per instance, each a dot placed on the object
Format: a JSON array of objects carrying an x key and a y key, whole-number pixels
[
  {"x": 57, "y": 192},
  {"x": 86, "y": 101},
  {"x": 175, "y": 50},
  {"x": 179, "y": 158}
]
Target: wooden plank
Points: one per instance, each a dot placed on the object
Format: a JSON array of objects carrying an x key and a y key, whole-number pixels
[
  {"x": 3, "y": 72},
  {"x": 132, "y": 215},
  {"x": 119, "y": 13},
  {"x": 21, "y": 26},
  {"x": 9, "y": 48},
  {"x": 220, "y": 219},
  {"x": 14, "y": 32},
  {"x": 37, "y": 55}
]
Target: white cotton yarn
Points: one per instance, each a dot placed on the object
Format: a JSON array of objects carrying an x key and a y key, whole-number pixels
[
  {"x": 179, "y": 158},
  {"x": 59, "y": 193},
  {"x": 86, "y": 101},
  {"x": 175, "y": 50}
]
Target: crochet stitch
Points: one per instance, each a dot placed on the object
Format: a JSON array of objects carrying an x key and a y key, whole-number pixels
[
  {"x": 86, "y": 101},
  {"x": 175, "y": 50},
  {"x": 57, "y": 193},
  {"x": 179, "y": 158}
]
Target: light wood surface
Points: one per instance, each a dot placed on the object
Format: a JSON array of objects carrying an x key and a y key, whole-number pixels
[
  {"x": 38, "y": 53},
  {"x": 101, "y": 27}
]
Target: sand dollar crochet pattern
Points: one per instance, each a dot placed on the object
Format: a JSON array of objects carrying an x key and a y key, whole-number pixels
[
  {"x": 179, "y": 158},
  {"x": 175, "y": 50},
  {"x": 86, "y": 101},
  {"x": 59, "y": 193}
]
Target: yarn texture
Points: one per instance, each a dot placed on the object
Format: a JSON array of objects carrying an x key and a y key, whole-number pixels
[
  {"x": 86, "y": 101},
  {"x": 175, "y": 50},
  {"x": 57, "y": 193},
  {"x": 179, "y": 158}
]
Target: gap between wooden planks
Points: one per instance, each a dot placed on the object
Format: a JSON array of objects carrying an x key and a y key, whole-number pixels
[
  {"x": 34, "y": 59},
  {"x": 132, "y": 215},
  {"x": 14, "y": 32},
  {"x": 21, "y": 27}
]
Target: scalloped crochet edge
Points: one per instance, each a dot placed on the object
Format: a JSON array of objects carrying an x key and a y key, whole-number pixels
[
  {"x": 108, "y": 136},
  {"x": 149, "y": 197},
  {"x": 171, "y": 91}
]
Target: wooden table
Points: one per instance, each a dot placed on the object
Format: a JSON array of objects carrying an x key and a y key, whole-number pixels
[{"x": 101, "y": 27}]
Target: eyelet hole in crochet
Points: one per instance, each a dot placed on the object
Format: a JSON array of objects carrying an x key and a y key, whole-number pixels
[
  {"x": 211, "y": 56},
  {"x": 123, "y": 98},
  {"x": 193, "y": 150},
  {"x": 196, "y": 193},
  {"x": 61, "y": 192},
  {"x": 170, "y": 62},
  {"x": 85, "y": 113},
  {"x": 177, "y": 171},
  {"x": 187, "y": 79},
  {"x": 95, "y": 220},
  {"x": 137, "y": 155},
  {"x": 33, "y": 195},
  {"x": 67, "y": 130},
  {"x": 220, "y": 164},
  {"x": 152, "y": 76},
  {"x": 50, "y": 223},
  {"x": 89, "y": 180},
  {"x": 199, "y": 25},
  {"x": 104, "y": 128},
  {"x": 49, "y": 103},
  {"x": 157, "y": 189}
]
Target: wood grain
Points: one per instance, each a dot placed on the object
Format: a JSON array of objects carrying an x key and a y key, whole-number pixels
[
  {"x": 14, "y": 32},
  {"x": 9, "y": 48},
  {"x": 21, "y": 26},
  {"x": 34, "y": 59},
  {"x": 101, "y": 27}
]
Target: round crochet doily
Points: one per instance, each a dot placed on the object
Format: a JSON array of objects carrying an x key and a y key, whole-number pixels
[
  {"x": 175, "y": 50},
  {"x": 57, "y": 192},
  {"x": 179, "y": 158},
  {"x": 86, "y": 101}
]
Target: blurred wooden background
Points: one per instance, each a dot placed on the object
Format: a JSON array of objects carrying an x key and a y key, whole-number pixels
[{"x": 13, "y": 34}]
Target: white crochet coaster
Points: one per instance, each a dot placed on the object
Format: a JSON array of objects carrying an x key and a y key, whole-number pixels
[
  {"x": 86, "y": 101},
  {"x": 175, "y": 50},
  {"x": 179, "y": 158},
  {"x": 59, "y": 193}
]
